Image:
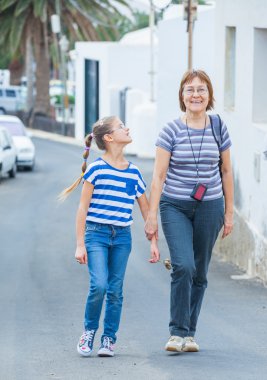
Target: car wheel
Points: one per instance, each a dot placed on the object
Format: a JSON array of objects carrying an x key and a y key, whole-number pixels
[{"x": 12, "y": 173}]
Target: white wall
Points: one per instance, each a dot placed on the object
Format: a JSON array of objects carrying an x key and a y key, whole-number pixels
[
  {"x": 119, "y": 66},
  {"x": 173, "y": 57},
  {"x": 250, "y": 168}
]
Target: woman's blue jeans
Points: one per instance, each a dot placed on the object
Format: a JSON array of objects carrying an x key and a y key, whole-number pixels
[
  {"x": 108, "y": 248},
  {"x": 191, "y": 229}
]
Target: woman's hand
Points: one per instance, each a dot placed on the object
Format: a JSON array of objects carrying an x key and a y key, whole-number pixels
[
  {"x": 228, "y": 225},
  {"x": 81, "y": 255},
  {"x": 151, "y": 227}
]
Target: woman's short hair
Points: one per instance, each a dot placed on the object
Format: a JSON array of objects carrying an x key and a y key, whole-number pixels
[{"x": 188, "y": 78}]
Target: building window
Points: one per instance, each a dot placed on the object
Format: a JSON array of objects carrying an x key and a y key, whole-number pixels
[
  {"x": 229, "y": 75},
  {"x": 259, "y": 76}
]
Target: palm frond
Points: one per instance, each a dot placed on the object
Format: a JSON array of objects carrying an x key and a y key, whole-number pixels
[
  {"x": 17, "y": 27},
  {"x": 5, "y": 4},
  {"x": 21, "y": 6}
]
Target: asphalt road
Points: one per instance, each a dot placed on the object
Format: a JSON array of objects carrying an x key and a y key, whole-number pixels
[{"x": 43, "y": 290}]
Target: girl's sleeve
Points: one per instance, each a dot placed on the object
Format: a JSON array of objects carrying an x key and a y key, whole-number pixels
[
  {"x": 141, "y": 185},
  {"x": 226, "y": 142},
  {"x": 165, "y": 139},
  {"x": 91, "y": 174}
]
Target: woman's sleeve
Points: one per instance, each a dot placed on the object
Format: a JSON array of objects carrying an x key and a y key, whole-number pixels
[
  {"x": 165, "y": 139},
  {"x": 226, "y": 142}
]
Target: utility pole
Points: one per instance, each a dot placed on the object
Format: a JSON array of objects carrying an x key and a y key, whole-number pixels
[
  {"x": 190, "y": 14},
  {"x": 190, "y": 34}
]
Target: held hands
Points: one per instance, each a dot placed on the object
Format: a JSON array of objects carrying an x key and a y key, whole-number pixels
[
  {"x": 81, "y": 255},
  {"x": 228, "y": 224},
  {"x": 151, "y": 228}
]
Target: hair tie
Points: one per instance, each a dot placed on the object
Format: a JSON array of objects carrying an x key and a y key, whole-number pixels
[
  {"x": 82, "y": 174},
  {"x": 92, "y": 135},
  {"x": 85, "y": 159},
  {"x": 86, "y": 148}
]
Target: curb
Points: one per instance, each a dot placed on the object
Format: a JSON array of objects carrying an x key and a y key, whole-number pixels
[{"x": 55, "y": 137}]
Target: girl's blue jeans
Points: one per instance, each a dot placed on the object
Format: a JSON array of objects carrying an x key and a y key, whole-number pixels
[
  {"x": 108, "y": 248},
  {"x": 191, "y": 229}
]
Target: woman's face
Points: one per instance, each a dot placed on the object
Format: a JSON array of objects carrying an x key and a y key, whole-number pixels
[{"x": 196, "y": 95}]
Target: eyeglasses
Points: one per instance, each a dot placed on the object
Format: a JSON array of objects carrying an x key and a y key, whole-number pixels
[
  {"x": 191, "y": 90},
  {"x": 121, "y": 126}
]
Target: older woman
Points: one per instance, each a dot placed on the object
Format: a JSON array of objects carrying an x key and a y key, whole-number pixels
[{"x": 193, "y": 184}]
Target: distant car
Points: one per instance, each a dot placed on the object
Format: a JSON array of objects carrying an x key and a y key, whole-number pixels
[
  {"x": 12, "y": 99},
  {"x": 8, "y": 154},
  {"x": 22, "y": 140}
]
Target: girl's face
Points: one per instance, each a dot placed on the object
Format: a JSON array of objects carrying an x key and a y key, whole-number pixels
[
  {"x": 196, "y": 96},
  {"x": 119, "y": 132}
]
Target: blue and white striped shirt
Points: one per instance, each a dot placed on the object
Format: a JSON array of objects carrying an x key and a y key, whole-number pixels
[
  {"x": 182, "y": 172},
  {"x": 114, "y": 192}
]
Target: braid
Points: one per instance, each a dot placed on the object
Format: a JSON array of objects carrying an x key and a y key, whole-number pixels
[{"x": 66, "y": 192}]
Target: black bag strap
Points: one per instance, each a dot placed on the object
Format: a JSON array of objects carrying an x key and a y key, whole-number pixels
[{"x": 216, "y": 128}]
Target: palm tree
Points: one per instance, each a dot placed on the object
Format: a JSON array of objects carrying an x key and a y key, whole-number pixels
[{"x": 25, "y": 24}]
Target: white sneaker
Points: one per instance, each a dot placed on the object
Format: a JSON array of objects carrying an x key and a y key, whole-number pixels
[
  {"x": 190, "y": 344},
  {"x": 107, "y": 347},
  {"x": 85, "y": 344},
  {"x": 175, "y": 343}
]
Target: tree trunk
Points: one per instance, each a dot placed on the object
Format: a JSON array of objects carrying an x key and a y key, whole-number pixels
[
  {"x": 42, "y": 102},
  {"x": 16, "y": 68}
]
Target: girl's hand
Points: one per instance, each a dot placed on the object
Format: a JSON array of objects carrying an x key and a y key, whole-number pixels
[
  {"x": 151, "y": 228},
  {"x": 228, "y": 225},
  {"x": 154, "y": 251},
  {"x": 81, "y": 255}
]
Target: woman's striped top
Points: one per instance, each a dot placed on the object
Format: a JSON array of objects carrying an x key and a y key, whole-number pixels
[
  {"x": 114, "y": 192},
  {"x": 182, "y": 172}
]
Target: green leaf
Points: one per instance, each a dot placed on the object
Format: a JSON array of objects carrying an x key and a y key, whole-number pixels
[
  {"x": 21, "y": 6},
  {"x": 4, "y": 4},
  {"x": 17, "y": 27},
  {"x": 39, "y": 8}
]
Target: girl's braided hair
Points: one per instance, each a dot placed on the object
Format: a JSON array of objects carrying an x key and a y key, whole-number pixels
[{"x": 100, "y": 129}]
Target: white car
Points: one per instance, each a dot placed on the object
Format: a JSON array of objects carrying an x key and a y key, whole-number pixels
[
  {"x": 8, "y": 154},
  {"x": 22, "y": 140}
]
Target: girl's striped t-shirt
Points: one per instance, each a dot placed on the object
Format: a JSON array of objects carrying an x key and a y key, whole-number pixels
[
  {"x": 182, "y": 172},
  {"x": 114, "y": 192}
]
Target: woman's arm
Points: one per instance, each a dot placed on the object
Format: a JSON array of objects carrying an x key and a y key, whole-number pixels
[
  {"x": 86, "y": 195},
  {"x": 228, "y": 190},
  {"x": 162, "y": 161}
]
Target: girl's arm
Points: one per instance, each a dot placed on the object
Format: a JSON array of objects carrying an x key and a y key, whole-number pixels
[
  {"x": 154, "y": 251},
  {"x": 228, "y": 190},
  {"x": 86, "y": 195},
  {"x": 161, "y": 166}
]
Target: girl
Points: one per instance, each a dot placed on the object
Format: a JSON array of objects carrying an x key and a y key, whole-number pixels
[{"x": 104, "y": 216}]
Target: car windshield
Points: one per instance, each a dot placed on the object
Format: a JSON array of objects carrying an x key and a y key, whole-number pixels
[{"x": 15, "y": 128}]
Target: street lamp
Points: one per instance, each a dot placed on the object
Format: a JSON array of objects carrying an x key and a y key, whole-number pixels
[{"x": 161, "y": 5}]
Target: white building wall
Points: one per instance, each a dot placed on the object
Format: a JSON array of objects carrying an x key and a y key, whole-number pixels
[
  {"x": 248, "y": 244},
  {"x": 173, "y": 56},
  {"x": 120, "y": 66}
]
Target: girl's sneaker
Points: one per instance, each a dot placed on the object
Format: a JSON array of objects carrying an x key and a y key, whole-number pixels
[
  {"x": 85, "y": 344},
  {"x": 107, "y": 347}
]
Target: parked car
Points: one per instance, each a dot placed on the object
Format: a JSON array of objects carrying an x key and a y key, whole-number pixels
[
  {"x": 22, "y": 140},
  {"x": 8, "y": 154},
  {"x": 12, "y": 99}
]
